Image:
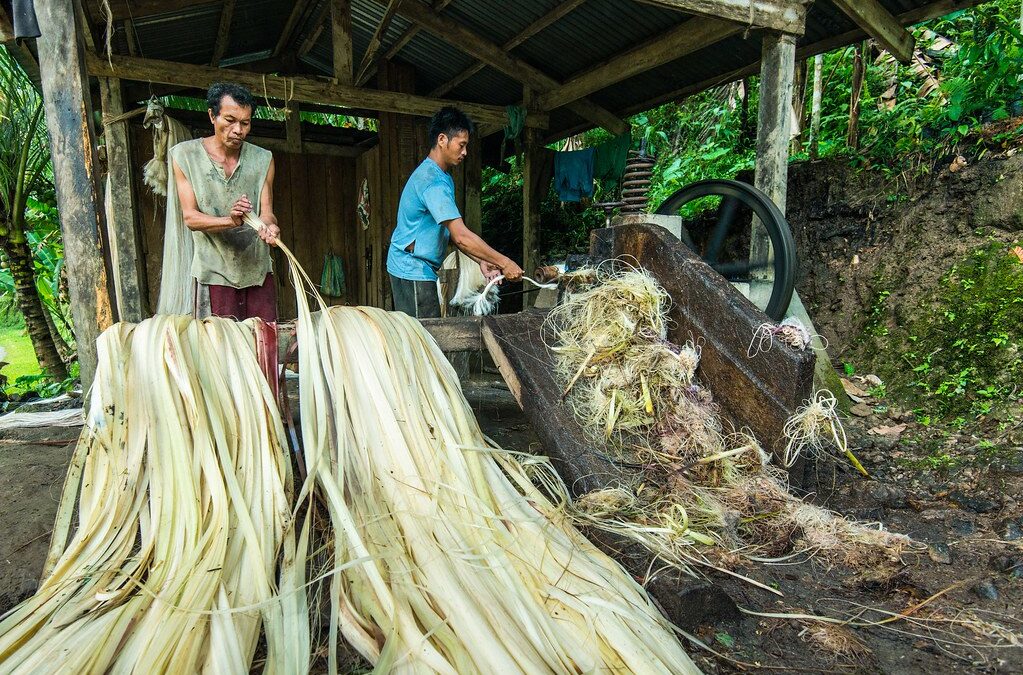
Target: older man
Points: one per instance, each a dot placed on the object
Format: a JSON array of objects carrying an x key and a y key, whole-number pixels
[{"x": 219, "y": 179}]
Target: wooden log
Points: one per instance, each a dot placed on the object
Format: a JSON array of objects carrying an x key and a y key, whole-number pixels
[
  {"x": 130, "y": 288},
  {"x": 761, "y": 392},
  {"x": 859, "y": 71},
  {"x": 73, "y": 150},
  {"x": 301, "y": 89}
]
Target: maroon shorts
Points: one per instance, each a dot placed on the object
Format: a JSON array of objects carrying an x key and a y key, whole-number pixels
[{"x": 245, "y": 303}]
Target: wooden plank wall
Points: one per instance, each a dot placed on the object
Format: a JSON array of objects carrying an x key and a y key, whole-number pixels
[{"x": 315, "y": 202}]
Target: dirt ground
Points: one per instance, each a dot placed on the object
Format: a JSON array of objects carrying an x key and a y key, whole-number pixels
[{"x": 969, "y": 524}]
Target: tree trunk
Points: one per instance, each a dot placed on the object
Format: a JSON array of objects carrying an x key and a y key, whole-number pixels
[
  {"x": 859, "y": 68},
  {"x": 798, "y": 107},
  {"x": 815, "y": 106},
  {"x": 19, "y": 260}
]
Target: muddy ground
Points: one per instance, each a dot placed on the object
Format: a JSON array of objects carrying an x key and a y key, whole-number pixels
[{"x": 969, "y": 524}]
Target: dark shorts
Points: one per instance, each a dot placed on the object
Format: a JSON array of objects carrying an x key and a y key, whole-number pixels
[
  {"x": 416, "y": 298},
  {"x": 244, "y": 303}
]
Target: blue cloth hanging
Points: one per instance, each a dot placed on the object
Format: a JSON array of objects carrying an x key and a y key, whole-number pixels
[{"x": 573, "y": 175}]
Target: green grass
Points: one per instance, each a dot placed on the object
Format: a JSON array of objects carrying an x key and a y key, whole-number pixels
[{"x": 20, "y": 355}]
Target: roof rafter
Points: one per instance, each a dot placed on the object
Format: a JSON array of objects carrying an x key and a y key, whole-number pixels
[
  {"x": 879, "y": 23},
  {"x": 399, "y": 44},
  {"x": 223, "y": 32},
  {"x": 786, "y": 16},
  {"x": 684, "y": 39},
  {"x": 377, "y": 40},
  {"x": 490, "y": 53},
  {"x": 526, "y": 33},
  {"x": 289, "y": 26},
  {"x": 341, "y": 39}
]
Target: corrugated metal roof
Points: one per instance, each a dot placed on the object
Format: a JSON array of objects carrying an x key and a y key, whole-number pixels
[{"x": 586, "y": 37}]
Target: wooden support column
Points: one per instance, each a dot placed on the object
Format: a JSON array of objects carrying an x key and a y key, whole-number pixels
[
  {"x": 293, "y": 128},
  {"x": 341, "y": 39},
  {"x": 531, "y": 192},
  {"x": 473, "y": 214},
  {"x": 774, "y": 124},
  {"x": 122, "y": 233},
  {"x": 815, "y": 105},
  {"x": 73, "y": 149}
]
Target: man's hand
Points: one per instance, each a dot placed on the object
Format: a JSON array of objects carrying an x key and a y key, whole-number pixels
[
  {"x": 239, "y": 209},
  {"x": 489, "y": 271},
  {"x": 511, "y": 271},
  {"x": 269, "y": 233}
]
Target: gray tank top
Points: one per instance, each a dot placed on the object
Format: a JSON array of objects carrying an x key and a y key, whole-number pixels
[{"x": 235, "y": 257}]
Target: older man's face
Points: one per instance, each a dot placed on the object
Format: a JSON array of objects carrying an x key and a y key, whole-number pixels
[{"x": 232, "y": 125}]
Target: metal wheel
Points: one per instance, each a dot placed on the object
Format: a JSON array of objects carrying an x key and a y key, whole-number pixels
[{"x": 717, "y": 225}]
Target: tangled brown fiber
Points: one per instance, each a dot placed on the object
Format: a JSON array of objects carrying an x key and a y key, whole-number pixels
[{"x": 691, "y": 489}]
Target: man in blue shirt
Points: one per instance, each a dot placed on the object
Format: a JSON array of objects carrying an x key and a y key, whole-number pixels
[{"x": 428, "y": 218}]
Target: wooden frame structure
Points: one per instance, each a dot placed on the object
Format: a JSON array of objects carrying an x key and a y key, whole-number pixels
[{"x": 359, "y": 38}]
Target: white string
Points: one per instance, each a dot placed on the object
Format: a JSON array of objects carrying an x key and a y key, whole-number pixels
[{"x": 486, "y": 301}]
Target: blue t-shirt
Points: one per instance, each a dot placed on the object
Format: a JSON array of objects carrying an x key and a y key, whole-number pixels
[{"x": 427, "y": 201}]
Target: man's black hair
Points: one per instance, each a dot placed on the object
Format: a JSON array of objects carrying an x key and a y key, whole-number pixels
[
  {"x": 216, "y": 93},
  {"x": 449, "y": 121}
]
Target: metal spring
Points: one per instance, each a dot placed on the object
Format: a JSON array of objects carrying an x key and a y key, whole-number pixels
[{"x": 636, "y": 181}]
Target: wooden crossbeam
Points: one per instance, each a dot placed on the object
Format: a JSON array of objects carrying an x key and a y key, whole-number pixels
[
  {"x": 879, "y": 23},
  {"x": 341, "y": 39},
  {"x": 376, "y": 41},
  {"x": 138, "y": 9},
  {"x": 399, "y": 44},
  {"x": 490, "y": 53},
  {"x": 301, "y": 89},
  {"x": 223, "y": 32},
  {"x": 523, "y": 35},
  {"x": 786, "y": 16},
  {"x": 686, "y": 38},
  {"x": 297, "y": 11}
]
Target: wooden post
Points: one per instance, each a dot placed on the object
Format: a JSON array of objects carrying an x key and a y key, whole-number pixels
[
  {"x": 815, "y": 106},
  {"x": 777, "y": 68},
  {"x": 473, "y": 214},
  {"x": 73, "y": 149},
  {"x": 858, "y": 72},
  {"x": 798, "y": 107},
  {"x": 341, "y": 39},
  {"x": 122, "y": 232},
  {"x": 531, "y": 193}
]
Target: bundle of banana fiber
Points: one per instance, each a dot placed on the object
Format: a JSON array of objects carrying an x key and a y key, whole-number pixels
[
  {"x": 437, "y": 552},
  {"x": 181, "y": 483}
]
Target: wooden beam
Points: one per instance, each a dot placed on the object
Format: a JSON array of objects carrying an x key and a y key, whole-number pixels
[
  {"x": 73, "y": 150},
  {"x": 399, "y": 44},
  {"x": 532, "y": 193},
  {"x": 223, "y": 32},
  {"x": 301, "y": 89},
  {"x": 125, "y": 248},
  {"x": 138, "y": 9},
  {"x": 341, "y": 39},
  {"x": 681, "y": 40},
  {"x": 297, "y": 10},
  {"x": 786, "y": 16},
  {"x": 529, "y": 31},
  {"x": 377, "y": 40},
  {"x": 491, "y": 54},
  {"x": 879, "y": 23}
]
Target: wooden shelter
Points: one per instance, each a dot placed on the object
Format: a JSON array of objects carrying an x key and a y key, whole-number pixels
[{"x": 573, "y": 64}]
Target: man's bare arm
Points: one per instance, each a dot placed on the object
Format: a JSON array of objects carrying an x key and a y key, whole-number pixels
[
  {"x": 196, "y": 219},
  {"x": 266, "y": 208},
  {"x": 471, "y": 244}
]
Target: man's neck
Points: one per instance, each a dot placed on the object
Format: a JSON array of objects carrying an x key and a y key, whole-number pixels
[
  {"x": 438, "y": 159},
  {"x": 219, "y": 148}
]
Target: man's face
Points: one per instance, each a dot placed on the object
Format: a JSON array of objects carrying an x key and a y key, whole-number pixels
[
  {"x": 232, "y": 125},
  {"x": 454, "y": 148}
]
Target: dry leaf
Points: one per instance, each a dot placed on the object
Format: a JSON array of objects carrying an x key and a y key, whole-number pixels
[{"x": 884, "y": 430}]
